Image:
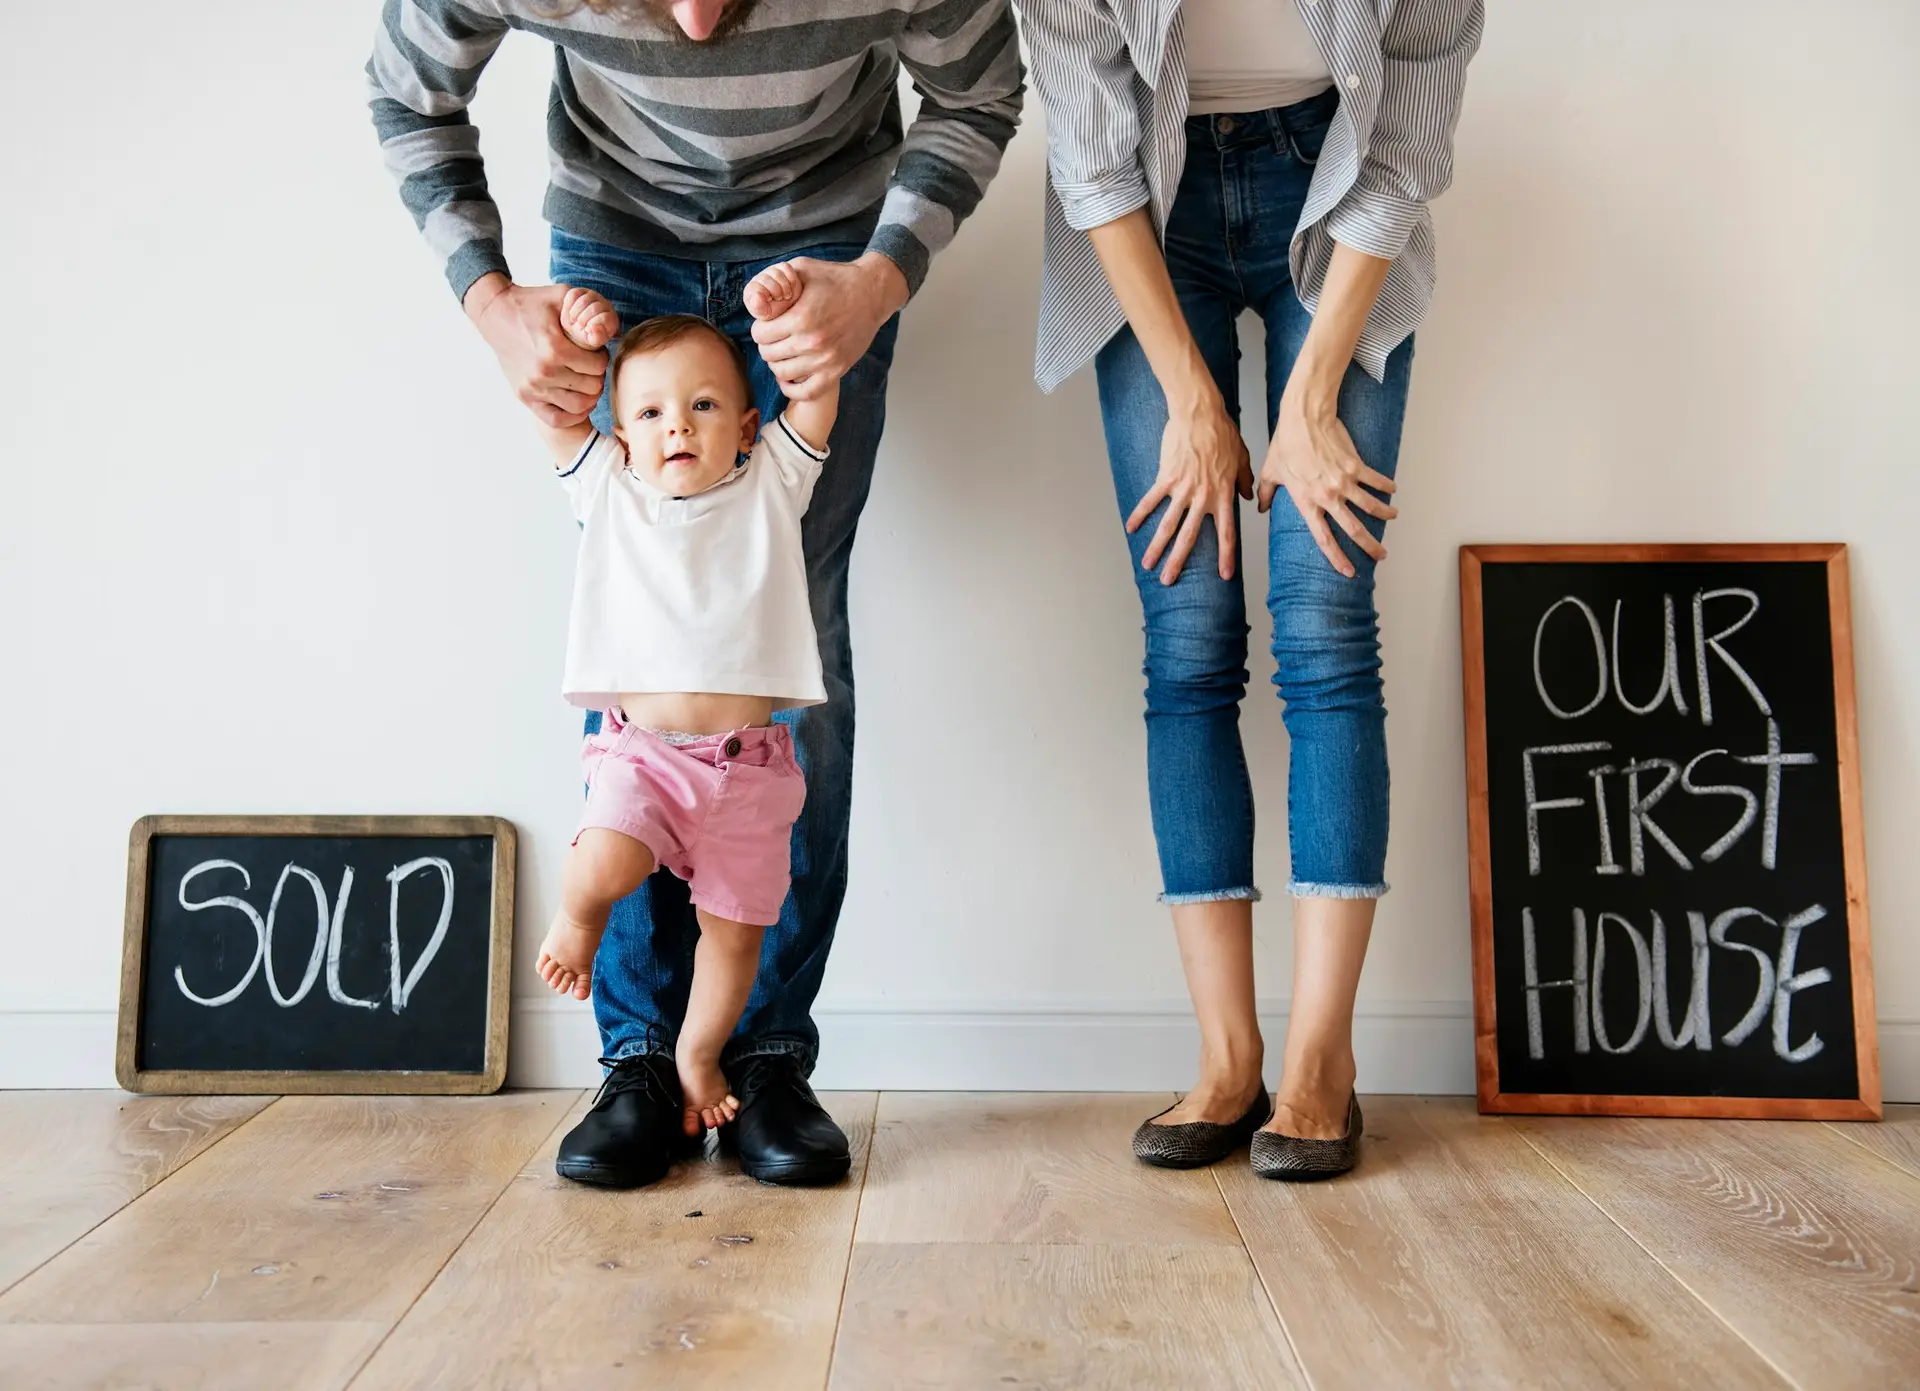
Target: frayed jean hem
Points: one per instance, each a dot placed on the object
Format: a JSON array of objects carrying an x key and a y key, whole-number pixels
[
  {"x": 1302, "y": 890},
  {"x": 1247, "y": 895}
]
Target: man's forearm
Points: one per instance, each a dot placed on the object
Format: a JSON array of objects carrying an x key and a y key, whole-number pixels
[
  {"x": 419, "y": 106},
  {"x": 887, "y": 283},
  {"x": 484, "y": 292},
  {"x": 968, "y": 74}
]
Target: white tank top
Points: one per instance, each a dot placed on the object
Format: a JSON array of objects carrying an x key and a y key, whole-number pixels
[{"x": 1249, "y": 55}]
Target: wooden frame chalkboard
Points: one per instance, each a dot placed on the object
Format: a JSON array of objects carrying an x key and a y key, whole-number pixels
[
  {"x": 1831, "y": 559},
  {"x": 491, "y": 1071}
]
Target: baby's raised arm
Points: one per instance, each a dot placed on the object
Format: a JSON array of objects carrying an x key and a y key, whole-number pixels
[
  {"x": 589, "y": 320},
  {"x": 769, "y": 295}
]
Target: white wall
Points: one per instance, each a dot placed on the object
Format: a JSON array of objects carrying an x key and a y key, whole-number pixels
[{"x": 274, "y": 538}]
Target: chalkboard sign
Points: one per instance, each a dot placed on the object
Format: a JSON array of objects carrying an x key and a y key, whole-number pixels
[
  {"x": 1667, "y": 865},
  {"x": 316, "y": 954}
]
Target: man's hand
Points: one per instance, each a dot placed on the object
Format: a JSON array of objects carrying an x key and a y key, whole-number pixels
[
  {"x": 817, "y": 339},
  {"x": 554, "y": 377}
]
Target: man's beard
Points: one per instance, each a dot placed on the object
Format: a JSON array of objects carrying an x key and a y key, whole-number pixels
[
  {"x": 660, "y": 12},
  {"x": 732, "y": 18}
]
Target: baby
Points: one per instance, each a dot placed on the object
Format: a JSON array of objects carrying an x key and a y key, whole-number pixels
[{"x": 690, "y": 627}]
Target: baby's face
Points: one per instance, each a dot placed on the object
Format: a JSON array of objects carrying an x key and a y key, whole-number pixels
[{"x": 683, "y": 414}]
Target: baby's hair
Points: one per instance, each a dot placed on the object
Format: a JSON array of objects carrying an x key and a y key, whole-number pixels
[{"x": 651, "y": 335}]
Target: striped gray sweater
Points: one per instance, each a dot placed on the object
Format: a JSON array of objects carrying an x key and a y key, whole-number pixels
[{"x": 785, "y": 134}]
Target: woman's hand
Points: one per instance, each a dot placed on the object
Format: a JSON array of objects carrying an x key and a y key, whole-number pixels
[
  {"x": 1204, "y": 467},
  {"x": 1313, "y": 458}
]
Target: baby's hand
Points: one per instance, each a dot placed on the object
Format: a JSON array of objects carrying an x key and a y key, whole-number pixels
[
  {"x": 772, "y": 292},
  {"x": 588, "y": 319}
]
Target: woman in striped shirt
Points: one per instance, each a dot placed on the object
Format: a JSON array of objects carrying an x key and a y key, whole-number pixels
[{"x": 1208, "y": 157}]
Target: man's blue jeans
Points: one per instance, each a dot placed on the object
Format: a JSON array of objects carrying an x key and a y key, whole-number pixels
[
  {"x": 645, "y": 964},
  {"x": 1227, "y": 238}
]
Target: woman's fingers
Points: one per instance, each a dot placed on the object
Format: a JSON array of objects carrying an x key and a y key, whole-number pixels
[
  {"x": 1163, "y": 535},
  {"x": 1144, "y": 508},
  {"x": 1322, "y": 534},
  {"x": 1226, "y": 522},
  {"x": 1371, "y": 505},
  {"x": 1356, "y": 529},
  {"x": 1373, "y": 478},
  {"x": 1183, "y": 544},
  {"x": 1329, "y": 547}
]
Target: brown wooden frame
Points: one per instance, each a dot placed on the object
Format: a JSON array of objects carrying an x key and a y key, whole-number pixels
[
  {"x": 493, "y": 1072},
  {"x": 1853, "y": 838}
]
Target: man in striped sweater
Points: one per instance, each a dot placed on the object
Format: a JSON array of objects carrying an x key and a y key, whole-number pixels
[{"x": 693, "y": 143}]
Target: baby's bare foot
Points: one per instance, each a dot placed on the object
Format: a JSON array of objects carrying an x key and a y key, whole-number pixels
[
  {"x": 772, "y": 292},
  {"x": 566, "y": 957},
  {"x": 708, "y": 1103},
  {"x": 587, "y": 318}
]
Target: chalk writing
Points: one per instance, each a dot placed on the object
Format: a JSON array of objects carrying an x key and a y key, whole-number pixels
[
  {"x": 1607, "y": 807},
  {"x": 329, "y": 928}
]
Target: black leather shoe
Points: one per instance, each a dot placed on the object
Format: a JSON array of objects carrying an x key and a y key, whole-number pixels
[
  {"x": 630, "y": 1137},
  {"x": 783, "y": 1134}
]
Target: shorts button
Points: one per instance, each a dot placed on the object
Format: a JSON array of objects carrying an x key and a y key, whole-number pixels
[
  {"x": 1227, "y": 125},
  {"x": 732, "y": 750}
]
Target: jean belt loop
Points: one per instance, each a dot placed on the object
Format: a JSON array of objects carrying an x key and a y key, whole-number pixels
[{"x": 1277, "y": 131}]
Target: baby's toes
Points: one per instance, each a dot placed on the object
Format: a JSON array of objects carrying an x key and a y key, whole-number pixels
[
  {"x": 690, "y": 1121},
  {"x": 582, "y": 986}
]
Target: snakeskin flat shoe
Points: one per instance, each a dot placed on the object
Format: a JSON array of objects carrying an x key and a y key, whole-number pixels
[
  {"x": 1292, "y": 1158},
  {"x": 1196, "y": 1143}
]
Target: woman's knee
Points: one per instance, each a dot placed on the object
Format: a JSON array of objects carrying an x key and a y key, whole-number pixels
[
  {"x": 1196, "y": 646},
  {"x": 1326, "y": 643}
]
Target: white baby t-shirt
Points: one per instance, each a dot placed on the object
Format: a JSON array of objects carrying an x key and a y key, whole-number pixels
[{"x": 706, "y": 593}]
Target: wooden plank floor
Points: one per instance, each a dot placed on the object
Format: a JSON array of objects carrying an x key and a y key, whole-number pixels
[{"x": 982, "y": 1241}]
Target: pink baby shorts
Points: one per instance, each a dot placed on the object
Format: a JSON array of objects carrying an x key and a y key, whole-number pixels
[{"x": 718, "y": 810}]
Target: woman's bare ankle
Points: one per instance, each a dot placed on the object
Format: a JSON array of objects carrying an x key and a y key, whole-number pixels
[
  {"x": 1313, "y": 1095},
  {"x": 1228, "y": 1085}
]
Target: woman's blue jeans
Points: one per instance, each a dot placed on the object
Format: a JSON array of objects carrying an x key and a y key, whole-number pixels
[{"x": 1227, "y": 236}]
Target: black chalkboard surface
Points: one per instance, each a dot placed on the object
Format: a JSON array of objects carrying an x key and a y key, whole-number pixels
[
  {"x": 1668, "y": 870},
  {"x": 316, "y": 954}
]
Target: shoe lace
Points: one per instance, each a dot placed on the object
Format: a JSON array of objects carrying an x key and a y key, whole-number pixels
[
  {"x": 631, "y": 1075},
  {"x": 760, "y": 1069}
]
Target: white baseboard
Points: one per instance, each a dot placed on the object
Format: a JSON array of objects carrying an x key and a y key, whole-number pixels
[{"x": 1417, "y": 1047}]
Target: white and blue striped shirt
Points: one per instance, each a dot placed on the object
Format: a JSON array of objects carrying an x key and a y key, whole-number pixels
[{"x": 1113, "y": 76}]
